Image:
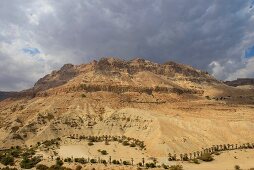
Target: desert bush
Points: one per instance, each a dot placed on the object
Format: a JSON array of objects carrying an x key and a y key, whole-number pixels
[
  {"x": 55, "y": 167},
  {"x": 29, "y": 152},
  {"x": 90, "y": 144},
  {"x": 125, "y": 143},
  {"x": 68, "y": 160},
  {"x": 165, "y": 166},
  {"x": 104, "y": 152},
  {"x": 7, "y": 160},
  {"x": 207, "y": 157},
  {"x": 42, "y": 167},
  {"x": 80, "y": 160},
  {"x": 93, "y": 161},
  {"x": 196, "y": 161},
  {"x": 15, "y": 152},
  {"x": 59, "y": 162},
  {"x": 78, "y": 167},
  {"x": 140, "y": 164},
  {"x": 104, "y": 162},
  {"x": 116, "y": 162},
  {"x": 126, "y": 163},
  {"x": 237, "y": 167},
  {"x": 217, "y": 153},
  {"x": 176, "y": 167},
  {"x": 8, "y": 168},
  {"x": 27, "y": 163},
  {"x": 132, "y": 145},
  {"x": 150, "y": 165}
]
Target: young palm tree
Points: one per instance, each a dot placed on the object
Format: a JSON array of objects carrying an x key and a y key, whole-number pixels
[{"x": 181, "y": 156}]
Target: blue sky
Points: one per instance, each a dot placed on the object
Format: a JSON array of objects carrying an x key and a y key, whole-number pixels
[
  {"x": 31, "y": 50},
  {"x": 249, "y": 53}
]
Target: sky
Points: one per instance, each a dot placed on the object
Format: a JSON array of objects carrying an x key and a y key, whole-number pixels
[{"x": 37, "y": 37}]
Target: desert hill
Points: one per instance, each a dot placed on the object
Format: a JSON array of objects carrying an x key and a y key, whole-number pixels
[
  {"x": 241, "y": 82},
  {"x": 172, "y": 107}
]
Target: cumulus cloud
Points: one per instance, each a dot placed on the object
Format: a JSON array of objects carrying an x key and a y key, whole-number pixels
[{"x": 211, "y": 35}]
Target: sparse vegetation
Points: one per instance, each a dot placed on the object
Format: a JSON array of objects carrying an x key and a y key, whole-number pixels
[
  {"x": 28, "y": 163},
  {"x": 237, "y": 167},
  {"x": 207, "y": 157},
  {"x": 7, "y": 159},
  {"x": 176, "y": 167},
  {"x": 42, "y": 167}
]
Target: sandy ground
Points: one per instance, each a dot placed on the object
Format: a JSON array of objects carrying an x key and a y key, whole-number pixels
[
  {"x": 225, "y": 161},
  {"x": 115, "y": 150}
]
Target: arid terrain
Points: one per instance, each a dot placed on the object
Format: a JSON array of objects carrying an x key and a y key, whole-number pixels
[{"x": 133, "y": 112}]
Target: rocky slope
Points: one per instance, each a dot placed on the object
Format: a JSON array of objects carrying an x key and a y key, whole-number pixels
[
  {"x": 241, "y": 82},
  {"x": 171, "y": 107}
]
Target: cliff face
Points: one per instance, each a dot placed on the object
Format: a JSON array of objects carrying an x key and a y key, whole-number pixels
[
  {"x": 116, "y": 75},
  {"x": 170, "y": 69},
  {"x": 240, "y": 82},
  {"x": 56, "y": 78}
]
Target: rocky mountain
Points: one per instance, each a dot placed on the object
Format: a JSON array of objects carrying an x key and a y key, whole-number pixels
[
  {"x": 171, "y": 107},
  {"x": 240, "y": 82}
]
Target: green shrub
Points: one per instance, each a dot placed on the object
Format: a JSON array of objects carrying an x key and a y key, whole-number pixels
[
  {"x": 7, "y": 160},
  {"x": 237, "y": 167},
  {"x": 165, "y": 166},
  {"x": 83, "y": 95},
  {"x": 132, "y": 145},
  {"x": 41, "y": 167},
  {"x": 216, "y": 153},
  {"x": 93, "y": 161},
  {"x": 116, "y": 162},
  {"x": 207, "y": 157},
  {"x": 59, "y": 162},
  {"x": 176, "y": 167},
  {"x": 27, "y": 163},
  {"x": 126, "y": 163},
  {"x": 104, "y": 162},
  {"x": 104, "y": 152},
  {"x": 8, "y": 168},
  {"x": 125, "y": 143},
  {"x": 196, "y": 161},
  {"x": 150, "y": 165},
  {"x": 90, "y": 144},
  {"x": 68, "y": 160},
  {"x": 29, "y": 152},
  {"x": 80, "y": 160}
]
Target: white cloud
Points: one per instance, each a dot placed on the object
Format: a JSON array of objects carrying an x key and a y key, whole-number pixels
[{"x": 194, "y": 32}]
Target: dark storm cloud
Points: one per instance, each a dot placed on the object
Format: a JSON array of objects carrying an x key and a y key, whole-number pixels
[{"x": 205, "y": 34}]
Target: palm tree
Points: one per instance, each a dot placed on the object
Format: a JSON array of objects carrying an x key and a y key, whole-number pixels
[
  {"x": 194, "y": 155},
  {"x": 181, "y": 156},
  {"x": 198, "y": 153}
]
